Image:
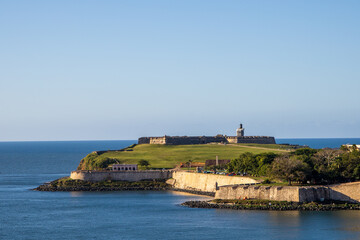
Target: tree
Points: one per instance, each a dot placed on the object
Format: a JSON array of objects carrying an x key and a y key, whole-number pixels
[
  {"x": 246, "y": 163},
  {"x": 350, "y": 165},
  {"x": 253, "y": 164},
  {"x": 354, "y": 148},
  {"x": 290, "y": 168},
  {"x": 144, "y": 163},
  {"x": 326, "y": 164}
]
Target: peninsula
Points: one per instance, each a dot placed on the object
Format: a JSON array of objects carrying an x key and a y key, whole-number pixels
[{"x": 233, "y": 173}]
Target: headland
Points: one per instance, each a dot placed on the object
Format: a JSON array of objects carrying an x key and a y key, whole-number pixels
[{"x": 246, "y": 176}]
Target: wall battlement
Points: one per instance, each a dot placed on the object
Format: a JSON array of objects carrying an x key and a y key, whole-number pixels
[
  {"x": 230, "y": 187},
  {"x": 205, "y": 182},
  {"x": 185, "y": 140},
  {"x": 131, "y": 176},
  {"x": 347, "y": 192}
]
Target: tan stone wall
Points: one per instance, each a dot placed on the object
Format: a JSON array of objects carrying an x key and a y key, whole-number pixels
[
  {"x": 206, "y": 182},
  {"x": 232, "y": 139},
  {"x": 348, "y": 192},
  {"x": 131, "y": 176},
  {"x": 157, "y": 140},
  {"x": 258, "y": 192}
]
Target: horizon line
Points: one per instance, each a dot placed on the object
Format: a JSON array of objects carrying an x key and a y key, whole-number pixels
[{"x": 94, "y": 140}]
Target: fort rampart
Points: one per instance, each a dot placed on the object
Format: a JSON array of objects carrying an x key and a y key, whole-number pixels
[
  {"x": 185, "y": 140},
  {"x": 131, "y": 176},
  {"x": 230, "y": 187},
  {"x": 349, "y": 192},
  {"x": 205, "y": 182}
]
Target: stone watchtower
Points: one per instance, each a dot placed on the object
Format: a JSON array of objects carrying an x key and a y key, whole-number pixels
[{"x": 240, "y": 131}]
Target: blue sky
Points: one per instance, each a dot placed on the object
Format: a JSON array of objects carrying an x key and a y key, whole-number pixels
[{"x": 91, "y": 70}]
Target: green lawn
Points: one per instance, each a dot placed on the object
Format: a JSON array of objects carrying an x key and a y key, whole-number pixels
[{"x": 168, "y": 156}]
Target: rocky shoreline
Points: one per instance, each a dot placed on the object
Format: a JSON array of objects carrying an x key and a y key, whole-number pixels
[
  {"x": 271, "y": 205},
  {"x": 67, "y": 184}
]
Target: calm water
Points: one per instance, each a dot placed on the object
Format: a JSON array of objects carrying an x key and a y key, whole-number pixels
[{"x": 25, "y": 214}]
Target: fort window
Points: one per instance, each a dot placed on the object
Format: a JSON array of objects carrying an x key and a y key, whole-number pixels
[{"x": 124, "y": 167}]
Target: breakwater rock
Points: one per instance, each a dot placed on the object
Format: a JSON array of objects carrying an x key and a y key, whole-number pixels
[
  {"x": 271, "y": 205},
  {"x": 68, "y": 184}
]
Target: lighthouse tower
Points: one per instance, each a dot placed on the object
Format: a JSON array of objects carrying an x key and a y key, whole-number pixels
[{"x": 240, "y": 131}]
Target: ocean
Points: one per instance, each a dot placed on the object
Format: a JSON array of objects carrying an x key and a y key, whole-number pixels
[{"x": 27, "y": 214}]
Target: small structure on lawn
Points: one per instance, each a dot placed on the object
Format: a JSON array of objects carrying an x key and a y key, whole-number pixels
[
  {"x": 219, "y": 162},
  {"x": 124, "y": 167}
]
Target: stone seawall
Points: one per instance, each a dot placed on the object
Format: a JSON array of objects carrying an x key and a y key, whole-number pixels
[
  {"x": 348, "y": 192},
  {"x": 258, "y": 192},
  {"x": 131, "y": 176},
  {"x": 205, "y": 182}
]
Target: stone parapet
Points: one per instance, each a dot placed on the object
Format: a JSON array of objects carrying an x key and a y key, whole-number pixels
[
  {"x": 185, "y": 140},
  {"x": 347, "y": 192},
  {"x": 131, "y": 176},
  {"x": 205, "y": 182}
]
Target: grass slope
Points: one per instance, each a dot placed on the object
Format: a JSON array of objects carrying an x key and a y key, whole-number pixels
[{"x": 168, "y": 156}]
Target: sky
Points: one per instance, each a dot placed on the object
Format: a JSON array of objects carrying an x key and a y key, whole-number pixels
[{"x": 113, "y": 70}]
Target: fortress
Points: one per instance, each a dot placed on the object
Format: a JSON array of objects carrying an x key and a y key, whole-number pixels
[{"x": 185, "y": 140}]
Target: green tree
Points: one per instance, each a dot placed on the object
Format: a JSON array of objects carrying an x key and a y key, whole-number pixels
[
  {"x": 290, "y": 168},
  {"x": 104, "y": 162},
  {"x": 144, "y": 163},
  {"x": 246, "y": 163},
  {"x": 350, "y": 165},
  {"x": 253, "y": 164},
  {"x": 354, "y": 148},
  {"x": 264, "y": 161},
  {"x": 326, "y": 164}
]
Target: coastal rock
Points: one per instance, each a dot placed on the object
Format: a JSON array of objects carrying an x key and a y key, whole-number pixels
[{"x": 272, "y": 206}]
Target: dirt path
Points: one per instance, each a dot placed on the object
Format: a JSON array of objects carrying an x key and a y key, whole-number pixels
[{"x": 281, "y": 150}]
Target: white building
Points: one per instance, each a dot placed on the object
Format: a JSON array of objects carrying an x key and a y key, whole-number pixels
[
  {"x": 124, "y": 167},
  {"x": 240, "y": 131},
  {"x": 349, "y": 146}
]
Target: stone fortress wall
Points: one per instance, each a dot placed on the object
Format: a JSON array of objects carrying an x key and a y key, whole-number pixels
[
  {"x": 230, "y": 187},
  {"x": 347, "y": 192},
  {"x": 185, "y": 140},
  {"x": 131, "y": 176},
  {"x": 205, "y": 182}
]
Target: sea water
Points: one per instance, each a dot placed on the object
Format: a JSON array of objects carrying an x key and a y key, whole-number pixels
[{"x": 27, "y": 214}]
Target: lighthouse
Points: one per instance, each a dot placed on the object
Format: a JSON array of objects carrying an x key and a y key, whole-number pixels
[{"x": 240, "y": 131}]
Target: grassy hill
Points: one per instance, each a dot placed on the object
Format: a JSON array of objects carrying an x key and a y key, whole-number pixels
[{"x": 168, "y": 156}]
